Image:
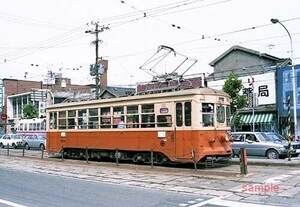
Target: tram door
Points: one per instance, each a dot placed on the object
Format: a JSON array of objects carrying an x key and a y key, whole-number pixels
[{"x": 182, "y": 123}]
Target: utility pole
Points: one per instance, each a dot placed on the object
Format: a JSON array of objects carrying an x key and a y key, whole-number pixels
[{"x": 95, "y": 69}]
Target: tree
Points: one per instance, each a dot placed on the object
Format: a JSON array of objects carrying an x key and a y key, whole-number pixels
[
  {"x": 232, "y": 87},
  {"x": 30, "y": 111}
]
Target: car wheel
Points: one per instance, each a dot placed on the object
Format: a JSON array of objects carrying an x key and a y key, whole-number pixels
[
  {"x": 27, "y": 146},
  {"x": 232, "y": 154},
  {"x": 1, "y": 145},
  {"x": 272, "y": 154},
  {"x": 42, "y": 146},
  {"x": 14, "y": 146}
]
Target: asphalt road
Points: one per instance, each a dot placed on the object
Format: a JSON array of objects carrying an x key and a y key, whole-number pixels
[
  {"x": 32, "y": 181},
  {"x": 39, "y": 190}
]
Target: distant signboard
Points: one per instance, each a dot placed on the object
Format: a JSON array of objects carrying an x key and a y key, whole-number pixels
[
  {"x": 263, "y": 88},
  {"x": 285, "y": 89}
]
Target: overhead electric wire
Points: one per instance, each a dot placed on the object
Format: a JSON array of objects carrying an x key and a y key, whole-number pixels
[
  {"x": 28, "y": 21},
  {"x": 53, "y": 40},
  {"x": 30, "y": 50},
  {"x": 59, "y": 39},
  {"x": 46, "y": 47},
  {"x": 212, "y": 36}
]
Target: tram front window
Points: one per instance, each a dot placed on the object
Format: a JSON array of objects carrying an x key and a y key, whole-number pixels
[{"x": 221, "y": 114}]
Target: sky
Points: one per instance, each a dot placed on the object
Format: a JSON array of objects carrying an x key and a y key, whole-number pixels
[{"x": 50, "y": 35}]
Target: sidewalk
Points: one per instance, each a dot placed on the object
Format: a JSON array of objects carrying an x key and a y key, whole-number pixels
[
  {"x": 278, "y": 184},
  {"x": 269, "y": 162}
]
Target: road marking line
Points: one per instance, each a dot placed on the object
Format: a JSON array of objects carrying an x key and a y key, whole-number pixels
[
  {"x": 228, "y": 203},
  {"x": 210, "y": 200},
  {"x": 9, "y": 203},
  {"x": 238, "y": 204}
]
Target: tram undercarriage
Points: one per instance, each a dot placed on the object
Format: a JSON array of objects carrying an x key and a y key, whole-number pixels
[
  {"x": 136, "y": 157},
  {"x": 140, "y": 157}
]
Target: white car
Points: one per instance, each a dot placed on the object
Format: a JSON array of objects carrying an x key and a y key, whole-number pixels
[{"x": 12, "y": 140}]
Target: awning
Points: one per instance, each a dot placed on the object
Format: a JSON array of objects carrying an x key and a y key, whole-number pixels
[{"x": 258, "y": 118}]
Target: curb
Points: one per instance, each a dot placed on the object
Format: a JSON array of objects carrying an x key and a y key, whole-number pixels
[{"x": 260, "y": 162}]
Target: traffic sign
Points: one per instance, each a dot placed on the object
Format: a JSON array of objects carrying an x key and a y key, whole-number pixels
[{"x": 3, "y": 116}]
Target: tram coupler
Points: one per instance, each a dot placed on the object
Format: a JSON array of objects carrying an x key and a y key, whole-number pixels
[{"x": 243, "y": 161}]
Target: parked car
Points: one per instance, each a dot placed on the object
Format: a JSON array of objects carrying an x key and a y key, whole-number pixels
[
  {"x": 12, "y": 140},
  {"x": 279, "y": 138},
  {"x": 263, "y": 144},
  {"x": 34, "y": 141}
]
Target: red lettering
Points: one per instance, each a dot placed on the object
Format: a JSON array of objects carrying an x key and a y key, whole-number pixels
[
  {"x": 260, "y": 188},
  {"x": 244, "y": 188},
  {"x": 275, "y": 188}
]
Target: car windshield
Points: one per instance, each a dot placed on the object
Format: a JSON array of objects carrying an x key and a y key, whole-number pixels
[
  {"x": 15, "y": 136},
  {"x": 273, "y": 137},
  {"x": 261, "y": 137}
]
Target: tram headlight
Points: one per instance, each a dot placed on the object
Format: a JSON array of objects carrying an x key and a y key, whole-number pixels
[
  {"x": 212, "y": 140},
  {"x": 227, "y": 138}
]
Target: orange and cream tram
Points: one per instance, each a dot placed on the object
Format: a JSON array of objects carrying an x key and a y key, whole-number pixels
[{"x": 180, "y": 126}]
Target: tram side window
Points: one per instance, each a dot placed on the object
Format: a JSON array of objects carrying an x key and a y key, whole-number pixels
[
  {"x": 105, "y": 118},
  {"x": 148, "y": 121},
  {"x": 132, "y": 118},
  {"x": 62, "y": 120},
  {"x": 227, "y": 116},
  {"x": 179, "y": 119},
  {"x": 93, "y": 118},
  {"x": 188, "y": 113},
  {"x": 118, "y": 116},
  {"x": 207, "y": 114},
  {"x": 148, "y": 117},
  {"x": 164, "y": 121},
  {"x": 82, "y": 119},
  {"x": 71, "y": 119},
  {"x": 220, "y": 114},
  {"x": 53, "y": 120}
]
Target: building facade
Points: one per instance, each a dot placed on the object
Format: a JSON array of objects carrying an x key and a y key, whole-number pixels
[
  {"x": 18, "y": 93},
  {"x": 259, "y": 77}
]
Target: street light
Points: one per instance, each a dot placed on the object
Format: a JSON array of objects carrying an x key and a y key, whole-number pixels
[
  {"x": 252, "y": 84},
  {"x": 274, "y": 21}
]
